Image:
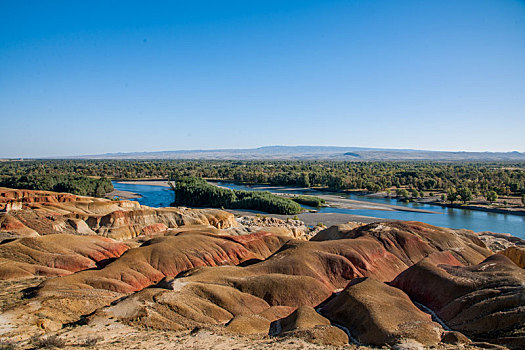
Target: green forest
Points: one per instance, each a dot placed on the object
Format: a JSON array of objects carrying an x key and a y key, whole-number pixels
[
  {"x": 485, "y": 179},
  {"x": 79, "y": 185},
  {"x": 196, "y": 192}
]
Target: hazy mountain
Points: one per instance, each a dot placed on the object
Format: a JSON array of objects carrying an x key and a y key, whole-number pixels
[{"x": 311, "y": 153}]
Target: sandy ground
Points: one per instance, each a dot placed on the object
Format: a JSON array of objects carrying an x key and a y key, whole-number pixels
[
  {"x": 312, "y": 219},
  {"x": 337, "y": 201},
  {"x": 122, "y": 195},
  {"x": 117, "y": 336},
  {"x": 342, "y": 202}
]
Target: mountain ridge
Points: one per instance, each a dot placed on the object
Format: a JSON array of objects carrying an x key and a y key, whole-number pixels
[{"x": 278, "y": 152}]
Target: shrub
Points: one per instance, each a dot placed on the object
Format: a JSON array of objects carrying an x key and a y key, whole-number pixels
[
  {"x": 49, "y": 342},
  {"x": 492, "y": 196},
  {"x": 7, "y": 345},
  {"x": 90, "y": 341},
  {"x": 401, "y": 192}
]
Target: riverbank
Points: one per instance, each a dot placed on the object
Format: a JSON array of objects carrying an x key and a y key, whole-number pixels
[
  {"x": 470, "y": 206},
  {"x": 336, "y": 201},
  {"x": 313, "y": 219},
  {"x": 357, "y": 204},
  {"x": 512, "y": 211},
  {"x": 456, "y": 218},
  {"x": 333, "y": 200},
  {"x": 122, "y": 195}
]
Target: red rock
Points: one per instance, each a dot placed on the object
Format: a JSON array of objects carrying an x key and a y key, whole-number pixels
[
  {"x": 154, "y": 229},
  {"x": 55, "y": 255},
  {"x": 167, "y": 256}
]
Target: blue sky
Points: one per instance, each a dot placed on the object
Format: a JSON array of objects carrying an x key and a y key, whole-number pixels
[{"x": 87, "y": 77}]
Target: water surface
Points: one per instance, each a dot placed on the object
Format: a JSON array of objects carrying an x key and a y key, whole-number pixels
[
  {"x": 445, "y": 217},
  {"x": 160, "y": 196},
  {"x": 152, "y": 196}
]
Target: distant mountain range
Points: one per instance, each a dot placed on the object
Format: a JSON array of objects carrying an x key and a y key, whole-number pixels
[{"x": 312, "y": 153}]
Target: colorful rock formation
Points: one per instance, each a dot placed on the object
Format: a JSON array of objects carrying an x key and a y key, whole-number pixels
[{"x": 181, "y": 269}]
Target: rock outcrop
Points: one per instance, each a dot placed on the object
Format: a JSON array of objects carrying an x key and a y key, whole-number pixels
[
  {"x": 378, "y": 314},
  {"x": 516, "y": 254},
  {"x": 292, "y": 228},
  {"x": 55, "y": 255},
  {"x": 45, "y": 212},
  {"x": 274, "y": 275},
  {"x": 168, "y": 256},
  {"x": 484, "y": 301},
  {"x": 199, "y": 269},
  {"x": 499, "y": 241},
  {"x": 307, "y": 323}
]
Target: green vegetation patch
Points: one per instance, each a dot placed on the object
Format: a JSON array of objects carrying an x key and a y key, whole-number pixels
[
  {"x": 79, "y": 185},
  {"x": 483, "y": 179},
  {"x": 311, "y": 201},
  {"x": 196, "y": 192}
]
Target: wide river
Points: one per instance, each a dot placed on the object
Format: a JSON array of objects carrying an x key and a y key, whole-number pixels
[{"x": 160, "y": 196}]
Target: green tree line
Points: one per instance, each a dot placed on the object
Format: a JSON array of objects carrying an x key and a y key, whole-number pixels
[
  {"x": 196, "y": 192},
  {"x": 79, "y": 185},
  {"x": 481, "y": 178}
]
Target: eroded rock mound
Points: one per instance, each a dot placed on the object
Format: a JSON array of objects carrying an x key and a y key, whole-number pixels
[
  {"x": 412, "y": 241},
  {"x": 308, "y": 324},
  {"x": 293, "y": 228},
  {"x": 44, "y": 212},
  {"x": 499, "y": 241},
  {"x": 484, "y": 301},
  {"x": 298, "y": 274},
  {"x": 183, "y": 275},
  {"x": 26, "y": 197},
  {"x": 55, "y": 255},
  {"x": 516, "y": 254},
  {"x": 167, "y": 256},
  {"x": 378, "y": 314}
]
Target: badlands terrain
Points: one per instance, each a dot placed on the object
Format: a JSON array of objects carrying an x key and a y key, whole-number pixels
[{"x": 88, "y": 272}]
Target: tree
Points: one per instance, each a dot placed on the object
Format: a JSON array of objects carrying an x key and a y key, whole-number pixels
[
  {"x": 430, "y": 184},
  {"x": 465, "y": 194},
  {"x": 304, "y": 180},
  {"x": 452, "y": 195},
  {"x": 415, "y": 193},
  {"x": 523, "y": 199},
  {"x": 492, "y": 196},
  {"x": 401, "y": 192}
]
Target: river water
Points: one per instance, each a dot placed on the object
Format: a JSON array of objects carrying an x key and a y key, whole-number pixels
[{"x": 159, "y": 196}]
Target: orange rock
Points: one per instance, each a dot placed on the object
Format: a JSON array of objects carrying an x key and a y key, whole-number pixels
[
  {"x": 516, "y": 254},
  {"x": 55, "y": 255}
]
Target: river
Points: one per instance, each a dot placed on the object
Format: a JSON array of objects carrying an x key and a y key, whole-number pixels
[{"x": 161, "y": 196}]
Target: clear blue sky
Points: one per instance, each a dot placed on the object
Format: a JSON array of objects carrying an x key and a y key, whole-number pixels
[{"x": 86, "y": 77}]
